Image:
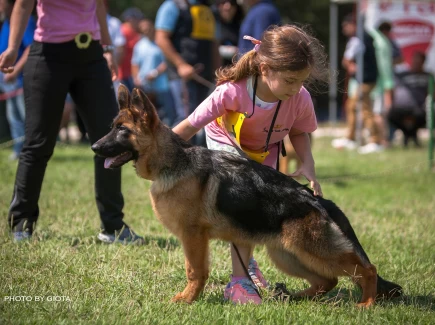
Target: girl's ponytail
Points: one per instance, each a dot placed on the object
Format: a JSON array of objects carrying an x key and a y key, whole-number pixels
[{"x": 241, "y": 69}]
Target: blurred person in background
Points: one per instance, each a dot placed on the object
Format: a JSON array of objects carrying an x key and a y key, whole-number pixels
[
  {"x": 356, "y": 91},
  {"x": 12, "y": 83},
  {"x": 398, "y": 65},
  {"x": 383, "y": 92},
  {"x": 130, "y": 29},
  {"x": 386, "y": 28},
  {"x": 408, "y": 112},
  {"x": 260, "y": 15},
  {"x": 229, "y": 15},
  {"x": 149, "y": 72},
  {"x": 186, "y": 33}
]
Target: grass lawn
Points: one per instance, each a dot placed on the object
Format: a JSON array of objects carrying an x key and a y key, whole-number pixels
[{"x": 389, "y": 198}]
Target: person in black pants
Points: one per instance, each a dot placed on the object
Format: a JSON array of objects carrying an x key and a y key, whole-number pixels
[{"x": 65, "y": 57}]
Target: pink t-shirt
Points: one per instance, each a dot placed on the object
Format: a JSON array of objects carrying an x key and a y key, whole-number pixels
[
  {"x": 61, "y": 20},
  {"x": 295, "y": 112}
]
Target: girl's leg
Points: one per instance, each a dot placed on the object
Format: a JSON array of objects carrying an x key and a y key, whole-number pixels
[
  {"x": 245, "y": 254},
  {"x": 240, "y": 289}
]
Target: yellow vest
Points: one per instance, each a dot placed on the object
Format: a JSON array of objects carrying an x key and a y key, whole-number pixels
[{"x": 231, "y": 122}]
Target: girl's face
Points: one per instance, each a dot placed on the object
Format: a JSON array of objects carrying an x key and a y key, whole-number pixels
[{"x": 284, "y": 85}]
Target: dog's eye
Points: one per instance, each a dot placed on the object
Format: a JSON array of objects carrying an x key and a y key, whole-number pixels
[{"x": 121, "y": 127}]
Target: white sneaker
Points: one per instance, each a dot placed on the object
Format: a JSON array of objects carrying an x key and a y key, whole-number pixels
[
  {"x": 343, "y": 143},
  {"x": 370, "y": 148},
  {"x": 124, "y": 236}
]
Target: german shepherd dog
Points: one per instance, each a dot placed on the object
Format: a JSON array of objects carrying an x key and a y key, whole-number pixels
[{"x": 201, "y": 194}]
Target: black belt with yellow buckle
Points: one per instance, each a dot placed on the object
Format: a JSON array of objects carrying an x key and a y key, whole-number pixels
[{"x": 83, "y": 40}]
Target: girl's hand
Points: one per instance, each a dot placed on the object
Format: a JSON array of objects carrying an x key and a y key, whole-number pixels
[{"x": 310, "y": 175}]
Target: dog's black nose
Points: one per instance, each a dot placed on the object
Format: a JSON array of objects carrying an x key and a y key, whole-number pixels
[{"x": 95, "y": 147}]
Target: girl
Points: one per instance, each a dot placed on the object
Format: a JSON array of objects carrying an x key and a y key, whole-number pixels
[{"x": 258, "y": 101}]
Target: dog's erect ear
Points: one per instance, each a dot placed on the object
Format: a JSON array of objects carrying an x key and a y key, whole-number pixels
[
  {"x": 141, "y": 102},
  {"x": 123, "y": 97}
]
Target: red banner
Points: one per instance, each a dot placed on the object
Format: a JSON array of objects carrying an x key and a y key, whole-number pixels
[{"x": 413, "y": 25}]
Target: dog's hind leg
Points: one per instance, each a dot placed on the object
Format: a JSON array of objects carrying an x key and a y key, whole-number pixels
[
  {"x": 363, "y": 274},
  {"x": 195, "y": 245},
  {"x": 321, "y": 247},
  {"x": 342, "y": 263},
  {"x": 290, "y": 264}
]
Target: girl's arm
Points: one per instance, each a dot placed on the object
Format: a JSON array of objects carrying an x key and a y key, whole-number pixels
[
  {"x": 185, "y": 130},
  {"x": 302, "y": 144},
  {"x": 209, "y": 110}
]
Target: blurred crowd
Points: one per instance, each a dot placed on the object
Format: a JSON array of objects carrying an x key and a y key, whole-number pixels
[
  {"x": 389, "y": 93},
  {"x": 172, "y": 57}
]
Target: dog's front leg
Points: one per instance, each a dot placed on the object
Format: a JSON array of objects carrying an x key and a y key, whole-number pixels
[{"x": 195, "y": 245}]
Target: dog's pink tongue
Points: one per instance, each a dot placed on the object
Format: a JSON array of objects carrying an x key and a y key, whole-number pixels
[{"x": 108, "y": 162}]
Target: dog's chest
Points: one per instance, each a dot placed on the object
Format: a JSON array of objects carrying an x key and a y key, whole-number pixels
[
  {"x": 164, "y": 211},
  {"x": 177, "y": 206}
]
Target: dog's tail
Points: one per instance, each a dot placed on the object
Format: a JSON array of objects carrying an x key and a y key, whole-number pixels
[
  {"x": 335, "y": 213},
  {"x": 385, "y": 289}
]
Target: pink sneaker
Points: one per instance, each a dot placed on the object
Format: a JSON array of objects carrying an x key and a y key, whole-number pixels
[
  {"x": 242, "y": 291},
  {"x": 256, "y": 274}
]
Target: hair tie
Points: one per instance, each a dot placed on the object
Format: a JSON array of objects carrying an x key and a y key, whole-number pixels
[{"x": 254, "y": 41}]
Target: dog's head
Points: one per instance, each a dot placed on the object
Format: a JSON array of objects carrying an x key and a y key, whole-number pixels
[{"x": 132, "y": 130}]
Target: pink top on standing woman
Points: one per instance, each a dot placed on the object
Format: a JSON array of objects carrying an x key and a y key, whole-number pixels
[{"x": 60, "y": 21}]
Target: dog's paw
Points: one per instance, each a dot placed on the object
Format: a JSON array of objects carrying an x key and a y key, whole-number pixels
[
  {"x": 366, "y": 304},
  {"x": 179, "y": 297}
]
